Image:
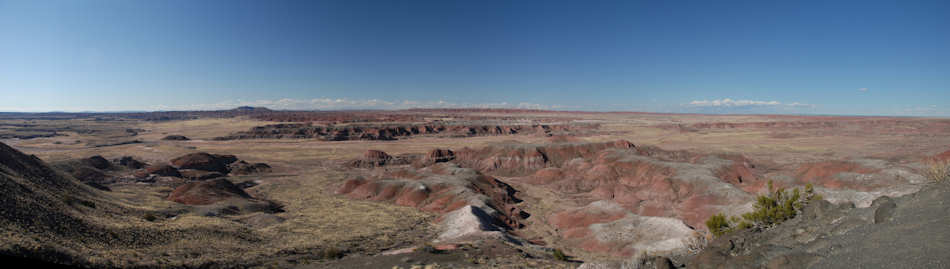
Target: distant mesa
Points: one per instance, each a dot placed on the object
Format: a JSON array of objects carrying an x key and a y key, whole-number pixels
[
  {"x": 393, "y": 132},
  {"x": 176, "y": 138},
  {"x": 251, "y": 108}
]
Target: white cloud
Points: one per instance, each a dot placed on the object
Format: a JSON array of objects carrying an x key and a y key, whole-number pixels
[
  {"x": 344, "y": 103},
  {"x": 863, "y": 89},
  {"x": 727, "y": 102}
]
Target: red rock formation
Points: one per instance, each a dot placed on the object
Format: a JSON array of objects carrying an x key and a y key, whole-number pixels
[
  {"x": 375, "y": 158},
  {"x": 438, "y": 156},
  {"x": 441, "y": 188},
  {"x": 823, "y": 174},
  {"x": 943, "y": 156}
]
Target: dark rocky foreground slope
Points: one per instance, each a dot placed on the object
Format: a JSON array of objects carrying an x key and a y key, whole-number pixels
[{"x": 912, "y": 231}]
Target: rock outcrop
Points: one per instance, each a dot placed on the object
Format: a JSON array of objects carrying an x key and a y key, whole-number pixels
[
  {"x": 390, "y": 132},
  {"x": 904, "y": 232}
]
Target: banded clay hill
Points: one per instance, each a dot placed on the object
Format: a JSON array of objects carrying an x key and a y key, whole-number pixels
[{"x": 468, "y": 188}]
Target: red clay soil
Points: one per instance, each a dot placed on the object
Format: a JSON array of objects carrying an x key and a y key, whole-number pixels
[
  {"x": 637, "y": 178},
  {"x": 525, "y": 159},
  {"x": 206, "y": 192},
  {"x": 823, "y": 174},
  {"x": 446, "y": 191},
  {"x": 943, "y": 156},
  {"x": 205, "y": 161}
]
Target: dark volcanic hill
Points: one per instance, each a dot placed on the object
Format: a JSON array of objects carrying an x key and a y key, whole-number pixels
[{"x": 38, "y": 208}]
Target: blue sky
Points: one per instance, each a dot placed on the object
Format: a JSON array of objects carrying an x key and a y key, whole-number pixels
[{"x": 814, "y": 57}]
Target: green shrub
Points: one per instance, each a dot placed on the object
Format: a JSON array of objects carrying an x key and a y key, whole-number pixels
[
  {"x": 559, "y": 255},
  {"x": 718, "y": 225},
  {"x": 777, "y": 206}
]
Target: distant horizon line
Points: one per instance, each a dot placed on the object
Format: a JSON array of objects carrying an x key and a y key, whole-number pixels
[{"x": 470, "y": 109}]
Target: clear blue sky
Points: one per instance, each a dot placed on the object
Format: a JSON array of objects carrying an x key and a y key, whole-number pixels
[{"x": 826, "y": 57}]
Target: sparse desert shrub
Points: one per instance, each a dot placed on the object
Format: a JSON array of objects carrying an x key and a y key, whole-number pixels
[
  {"x": 773, "y": 208},
  {"x": 559, "y": 255},
  {"x": 939, "y": 171},
  {"x": 717, "y": 224}
]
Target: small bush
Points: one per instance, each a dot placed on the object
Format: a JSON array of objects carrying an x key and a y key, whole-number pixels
[
  {"x": 717, "y": 224},
  {"x": 939, "y": 171},
  {"x": 773, "y": 208},
  {"x": 559, "y": 255},
  {"x": 150, "y": 217}
]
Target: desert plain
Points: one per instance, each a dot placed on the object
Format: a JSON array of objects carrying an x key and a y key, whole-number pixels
[{"x": 457, "y": 188}]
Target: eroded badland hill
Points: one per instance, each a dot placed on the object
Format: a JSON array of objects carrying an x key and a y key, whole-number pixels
[{"x": 470, "y": 189}]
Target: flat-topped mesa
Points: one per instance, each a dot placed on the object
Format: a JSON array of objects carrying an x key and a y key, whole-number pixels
[
  {"x": 392, "y": 132},
  {"x": 375, "y": 158}
]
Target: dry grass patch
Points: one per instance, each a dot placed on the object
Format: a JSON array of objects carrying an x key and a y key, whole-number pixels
[{"x": 939, "y": 171}]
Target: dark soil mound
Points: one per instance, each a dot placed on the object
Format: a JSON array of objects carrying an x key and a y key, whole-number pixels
[
  {"x": 193, "y": 174},
  {"x": 159, "y": 169},
  {"x": 245, "y": 168},
  {"x": 130, "y": 162},
  {"x": 207, "y": 192},
  {"x": 98, "y": 162},
  {"x": 205, "y": 161},
  {"x": 176, "y": 138},
  {"x": 35, "y": 207}
]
